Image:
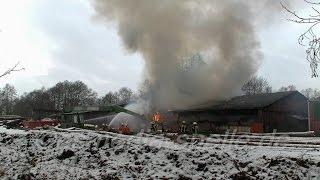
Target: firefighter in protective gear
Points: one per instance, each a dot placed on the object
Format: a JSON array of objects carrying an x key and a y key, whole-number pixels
[
  {"x": 183, "y": 127},
  {"x": 121, "y": 128},
  {"x": 195, "y": 128},
  {"x": 153, "y": 127},
  {"x": 156, "y": 122},
  {"x": 126, "y": 129}
]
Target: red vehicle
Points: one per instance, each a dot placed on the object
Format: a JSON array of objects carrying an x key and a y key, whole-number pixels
[{"x": 32, "y": 124}]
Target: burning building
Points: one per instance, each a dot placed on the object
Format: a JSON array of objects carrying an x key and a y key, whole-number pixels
[
  {"x": 210, "y": 53},
  {"x": 280, "y": 111}
]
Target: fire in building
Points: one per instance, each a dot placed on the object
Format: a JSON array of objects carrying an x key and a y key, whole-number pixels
[{"x": 260, "y": 113}]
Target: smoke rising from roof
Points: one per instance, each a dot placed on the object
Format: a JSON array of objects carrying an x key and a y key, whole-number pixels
[{"x": 166, "y": 32}]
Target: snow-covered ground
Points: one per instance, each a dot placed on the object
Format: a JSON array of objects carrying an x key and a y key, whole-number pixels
[{"x": 76, "y": 154}]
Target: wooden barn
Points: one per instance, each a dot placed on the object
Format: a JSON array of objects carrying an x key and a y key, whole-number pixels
[{"x": 280, "y": 111}]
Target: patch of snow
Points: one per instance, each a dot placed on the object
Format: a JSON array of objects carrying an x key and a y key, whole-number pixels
[
  {"x": 75, "y": 154},
  {"x": 11, "y": 131}
]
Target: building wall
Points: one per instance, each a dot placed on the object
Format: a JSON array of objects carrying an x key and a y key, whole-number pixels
[
  {"x": 38, "y": 114},
  {"x": 77, "y": 119},
  {"x": 37, "y": 124},
  {"x": 94, "y": 114},
  {"x": 295, "y": 103},
  {"x": 286, "y": 114},
  {"x": 220, "y": 121},
  {"x": 314, "y": 116}
]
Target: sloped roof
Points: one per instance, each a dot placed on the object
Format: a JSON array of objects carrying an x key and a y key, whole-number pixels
[
  {"x": 9, "y": 117},
  {"x": 88, "y": 109},
  {"x": 245, "y": 102}
]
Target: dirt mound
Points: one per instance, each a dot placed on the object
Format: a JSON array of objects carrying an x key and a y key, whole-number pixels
[{"x": 85, "y": 154}]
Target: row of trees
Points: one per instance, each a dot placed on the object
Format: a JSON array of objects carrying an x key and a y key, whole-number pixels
[
  {"x": 69, "y": 94},
  {"x": 62, "y": 95},
  {"x": 258, "y": 85}
]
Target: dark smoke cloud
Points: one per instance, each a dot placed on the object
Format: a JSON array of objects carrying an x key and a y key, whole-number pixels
[{"x": 165, "y": 31}]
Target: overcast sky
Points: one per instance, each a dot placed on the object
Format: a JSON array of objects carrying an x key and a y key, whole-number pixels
[{"x": 58, "y": 40}]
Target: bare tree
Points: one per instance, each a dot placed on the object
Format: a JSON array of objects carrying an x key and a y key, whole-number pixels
[
  {"x": 311, "y": 94},
  {"x": 13, "y": 69},
  {"x": 310, "y": 39},
  {"x": 192, "y": 63},
  {"x": 288, "y": 88},
  {"x": 69, "y": 94},
  {"x": 256, "y": 85},
  {"x": 125, "y": 95},
  {"x": 8, "y": 96},
  {"x": 110, "y": 98}
]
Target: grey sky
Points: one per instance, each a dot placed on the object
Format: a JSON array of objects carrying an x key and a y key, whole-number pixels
[{"x": 60, "y": 40}]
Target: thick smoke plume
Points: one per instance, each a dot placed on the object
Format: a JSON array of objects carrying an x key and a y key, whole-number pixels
[{"x": 170, "y": 33}]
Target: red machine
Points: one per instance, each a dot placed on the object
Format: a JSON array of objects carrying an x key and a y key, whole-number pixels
[{"x": 32, "y": 124}]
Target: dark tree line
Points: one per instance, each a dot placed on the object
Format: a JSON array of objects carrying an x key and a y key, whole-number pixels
[
  {"x": 60, "y": 96},
  {"x": 69, "y": 94}
]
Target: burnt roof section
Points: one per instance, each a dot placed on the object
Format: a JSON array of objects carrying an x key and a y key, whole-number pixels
[{"x": 256, "y": 101}]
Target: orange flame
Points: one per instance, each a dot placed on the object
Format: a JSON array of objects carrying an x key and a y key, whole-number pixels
[{"x": 156, "y": 117}]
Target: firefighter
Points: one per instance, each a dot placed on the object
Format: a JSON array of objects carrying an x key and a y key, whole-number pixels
[
  {"x": 156, "y": 122},
  {"x": 195, "y": 127},
  {"x": 162, "y": 127},
  {"x": 183, "y": 127},
  {"x": 153, "y": 127},
  {"x": 121, "y": 128},
  {"x": 126, "y": 129},
  {"x": 105, "y": 127}
]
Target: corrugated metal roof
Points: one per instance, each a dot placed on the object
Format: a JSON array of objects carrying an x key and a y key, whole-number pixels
[
  {"x": 244, "y": 102},
  {"x": 111, "y": 109},
  {"x": 77, "y": 112},
  {"x": 8, "y": 117}
]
